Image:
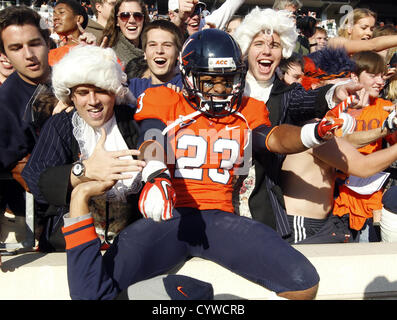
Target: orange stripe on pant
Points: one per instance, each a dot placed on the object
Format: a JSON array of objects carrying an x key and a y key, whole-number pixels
[{"x": 78, "y": 225}]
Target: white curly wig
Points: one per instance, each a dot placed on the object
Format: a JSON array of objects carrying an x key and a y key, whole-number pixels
[
  {"x": 92, "y": 65},
  {"x": 258, "y": 20}
]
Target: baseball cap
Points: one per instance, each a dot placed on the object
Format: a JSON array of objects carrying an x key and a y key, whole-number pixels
[{"x": 170, "y": 287}]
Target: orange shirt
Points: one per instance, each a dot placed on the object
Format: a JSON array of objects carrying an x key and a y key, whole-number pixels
[
  {"x": 57, "y": 54},
  {"x": 205, "y": 151},
  {"x": 360, "y": 207}
]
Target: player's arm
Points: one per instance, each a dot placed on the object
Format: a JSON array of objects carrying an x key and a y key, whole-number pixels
[
  {"x": 87, "y": 277},
  {"x": 340, "y": 154},
  {"x": 287, "y": 139},
  {"x": 157, "y": 197}
]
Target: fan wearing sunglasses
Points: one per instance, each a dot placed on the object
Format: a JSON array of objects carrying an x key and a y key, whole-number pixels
[{"x": 123, "y": 33}]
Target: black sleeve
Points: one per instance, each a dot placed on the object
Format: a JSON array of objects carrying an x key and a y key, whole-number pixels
[
  {"x": 305, "y": 105},
  {"x": 46, "y": 181},
  {"x": 54, "y": 185}
]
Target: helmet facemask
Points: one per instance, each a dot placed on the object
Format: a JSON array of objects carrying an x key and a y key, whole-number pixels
[
  {"x": 215, "y": 104},
  {"x": 212, "y": 57}
]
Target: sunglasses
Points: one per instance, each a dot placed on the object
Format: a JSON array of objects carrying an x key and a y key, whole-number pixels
[{"x": 125, "y": 16}]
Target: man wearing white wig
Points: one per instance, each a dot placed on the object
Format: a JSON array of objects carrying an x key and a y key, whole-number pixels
[
  {"x": 263, "y": 50},
  {"x": 95, "y": 141}
]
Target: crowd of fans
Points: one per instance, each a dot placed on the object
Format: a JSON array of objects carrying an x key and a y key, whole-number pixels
[{"x": 77, "y": 81}]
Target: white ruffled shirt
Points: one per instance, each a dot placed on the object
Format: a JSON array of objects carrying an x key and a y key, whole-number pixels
[
  {"x": 87, "y": 138},
  {"x": 259, "y": 90}
]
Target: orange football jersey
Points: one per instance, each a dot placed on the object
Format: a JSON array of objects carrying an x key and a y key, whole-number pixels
[{"x": 202, "y": 152}]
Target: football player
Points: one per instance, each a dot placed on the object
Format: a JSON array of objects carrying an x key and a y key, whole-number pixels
[{"x": 203, "y": 135}]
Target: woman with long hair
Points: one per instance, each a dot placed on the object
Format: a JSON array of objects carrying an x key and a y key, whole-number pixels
[
  {"x": 356, "y": 33},
  {"x": 123, "y": 31}
]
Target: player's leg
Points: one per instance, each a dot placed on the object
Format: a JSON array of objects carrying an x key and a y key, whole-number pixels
[
  {"x": 258, "y": 253},
  {"x": 143, "y": 250}
]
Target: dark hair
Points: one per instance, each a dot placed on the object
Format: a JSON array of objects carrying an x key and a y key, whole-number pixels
[
  {"x": 166, "y": 26},
  {"x": 111, "y": 30},
  {"x": 21, "y": 16},
  {"x": 42, "y": 108},
  {"x": 295, "y": 58},
  {"x": 77, "y": 9},
  {"x": 370, "y": 62}
]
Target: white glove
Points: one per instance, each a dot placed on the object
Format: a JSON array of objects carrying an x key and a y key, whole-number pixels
[{"x": 349, "y": 123}]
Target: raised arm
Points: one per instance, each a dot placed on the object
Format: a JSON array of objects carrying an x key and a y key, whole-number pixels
[
  {"x": 340, "y": 154},
  {"x": 374, "y": 44}
]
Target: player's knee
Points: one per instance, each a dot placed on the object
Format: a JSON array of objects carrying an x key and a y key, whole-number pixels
[
  {"x": 307, "y": 294},
  {"x": 305, "y": 279}
]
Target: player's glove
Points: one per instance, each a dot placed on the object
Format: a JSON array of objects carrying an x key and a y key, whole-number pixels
[
  {"x": 157, "y": 197},
  {"x": 315, "y": 133},
  {"x": 391, "y": 122}
]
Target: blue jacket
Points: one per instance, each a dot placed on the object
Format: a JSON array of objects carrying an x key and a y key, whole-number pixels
[
  {"x": 16, "y": 134},
  {"x": 139, "y": 85}
]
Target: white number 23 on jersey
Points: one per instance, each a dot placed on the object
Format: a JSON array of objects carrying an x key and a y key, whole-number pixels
[{"x": 190, "y": 167}]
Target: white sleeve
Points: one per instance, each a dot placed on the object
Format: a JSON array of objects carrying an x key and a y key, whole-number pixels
[
  {"x": 222, "y": 15},
  {"x": 330, "y": 93}
]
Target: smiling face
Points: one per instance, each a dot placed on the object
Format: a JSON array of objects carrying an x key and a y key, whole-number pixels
[
  {"x": 94, "y": 105},
  {"x": 193, "y": 24},
  {"x": 363, "y": 29},
  {"x": 372, "y": 83},
  {"x": 216, "y": 94},
  {"x": 65, "y": 20},
  {"x": 132, "y": 28},
  {"x": 264, "y": 55},
  {"x": 216, "y": 85},
  {"x": 161, "y": 54},
  {"x": 6, "y": 68},
  {"x": 27, "y": 51}
]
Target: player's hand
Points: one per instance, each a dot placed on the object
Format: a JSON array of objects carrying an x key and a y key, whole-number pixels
[
  {"x": 337, "y": 118},
  {"x": 158, "y": 197}
]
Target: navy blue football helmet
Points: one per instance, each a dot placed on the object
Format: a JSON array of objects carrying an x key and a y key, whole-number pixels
[{"x": 212, "y": 52}]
